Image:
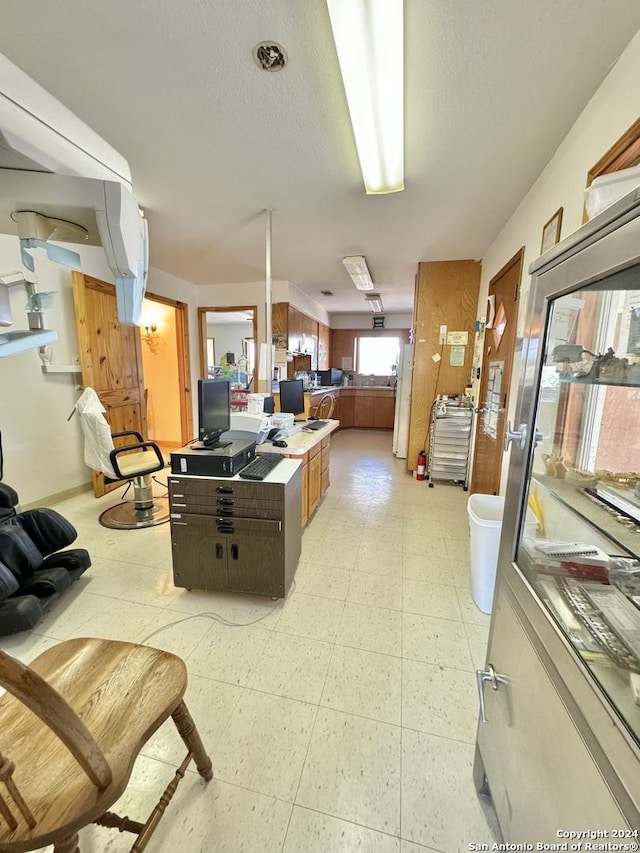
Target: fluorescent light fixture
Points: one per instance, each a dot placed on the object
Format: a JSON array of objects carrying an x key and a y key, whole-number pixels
[
  {"x": 375, "y": 303},
  {"x": 369, "y": 41},
  {"x": 357, "y": 268}
]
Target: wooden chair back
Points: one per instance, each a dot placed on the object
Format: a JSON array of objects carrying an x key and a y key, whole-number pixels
[
  {"x": 324, "y": 409},
  {"x": 76, "y": 782}
]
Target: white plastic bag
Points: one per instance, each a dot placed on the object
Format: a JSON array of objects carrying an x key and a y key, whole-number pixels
[{"x": 98, "y": 443}]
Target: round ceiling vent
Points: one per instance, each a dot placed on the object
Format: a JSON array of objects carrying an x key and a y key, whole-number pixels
[{"x": 270, "y": 56}]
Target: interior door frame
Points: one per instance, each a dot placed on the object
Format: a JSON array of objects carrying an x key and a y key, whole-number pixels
[
  {"x": 202, "y": 336},
  {"x": 516, "y": 260},
  {"x": 184, "y": 366}
]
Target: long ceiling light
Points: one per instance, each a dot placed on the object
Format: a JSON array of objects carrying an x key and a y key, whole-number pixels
[
  {"x": 357, "y": 268},
  {"x": 369, "y": 41},
  {"x": 374, "y": 302}
]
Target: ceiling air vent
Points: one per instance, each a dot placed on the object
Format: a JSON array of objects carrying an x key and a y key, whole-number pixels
[{"x": 270, "y": 56}]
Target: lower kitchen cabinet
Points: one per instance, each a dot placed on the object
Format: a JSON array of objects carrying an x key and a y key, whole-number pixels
[{"x": 231, "y": 534}]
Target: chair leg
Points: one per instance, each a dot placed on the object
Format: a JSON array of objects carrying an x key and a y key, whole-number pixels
[
  {"x": 67, "y": 845},
  {"x": 189, "y": 734}
]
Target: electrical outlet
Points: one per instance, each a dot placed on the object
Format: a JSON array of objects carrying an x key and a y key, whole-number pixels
[{"x": 443, "y": 335}]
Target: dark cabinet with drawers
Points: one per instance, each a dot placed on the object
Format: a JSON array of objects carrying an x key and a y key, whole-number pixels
[{"x": 229, "y": 534}]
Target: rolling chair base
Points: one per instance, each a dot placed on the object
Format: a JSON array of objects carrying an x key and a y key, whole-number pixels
[{"x": 125, "y": 516}]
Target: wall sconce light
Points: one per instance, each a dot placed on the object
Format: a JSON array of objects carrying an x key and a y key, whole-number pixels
[{"x": 151, "y": 336}]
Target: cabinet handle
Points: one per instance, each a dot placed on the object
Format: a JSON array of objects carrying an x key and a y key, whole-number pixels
[
  {"x": 234, "y": 551},
  {"x": 224, "y": 490},
  {"x": 176, "y": 495},
  {"x": 173, "y": 503},
  {"x": 482, "y": 676},
  {"x": 183, "y": 523},
  {"x": 219, "y": 551}
]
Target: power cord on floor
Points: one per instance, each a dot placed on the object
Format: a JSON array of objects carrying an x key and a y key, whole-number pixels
[{"x": 216, "y": 617}]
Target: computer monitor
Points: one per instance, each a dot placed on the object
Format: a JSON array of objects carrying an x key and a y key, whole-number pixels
[
  {"x": 213, "y": 413},
  {"x": 292, "y": 396}
]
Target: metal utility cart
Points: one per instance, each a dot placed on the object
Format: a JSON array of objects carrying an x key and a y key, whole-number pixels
[{"x": 449, "y": 441}]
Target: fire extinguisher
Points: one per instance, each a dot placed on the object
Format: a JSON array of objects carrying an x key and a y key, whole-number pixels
[{"x": 422, "y": 464}]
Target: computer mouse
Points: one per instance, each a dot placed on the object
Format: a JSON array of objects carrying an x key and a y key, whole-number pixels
[{"x": 280, "y": 443}]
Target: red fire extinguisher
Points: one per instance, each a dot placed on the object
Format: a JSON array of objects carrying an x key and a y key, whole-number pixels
[{"x": 422, "y": 464}]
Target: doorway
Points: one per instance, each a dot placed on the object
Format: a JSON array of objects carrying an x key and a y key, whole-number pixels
[
  {"x": 165, "y": 360},
  {"x": 497, "y": 363},
  {"x": 228, "y": 344}
]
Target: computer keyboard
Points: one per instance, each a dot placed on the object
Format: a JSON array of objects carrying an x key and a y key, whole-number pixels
[
  {"x": 315, "y": 424},
  {"x": 261, "y": 466}
]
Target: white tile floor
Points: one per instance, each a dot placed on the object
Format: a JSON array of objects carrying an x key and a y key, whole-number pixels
[{"x": 343, "y": 720}]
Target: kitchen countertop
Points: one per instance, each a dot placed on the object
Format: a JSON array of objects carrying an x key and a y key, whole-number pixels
[{"x": 301, "y": 442}]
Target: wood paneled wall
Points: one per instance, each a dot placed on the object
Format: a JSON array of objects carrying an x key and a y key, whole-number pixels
[
  {"x": 446, "y": 294},
  {"x": 342, "y": 341}
]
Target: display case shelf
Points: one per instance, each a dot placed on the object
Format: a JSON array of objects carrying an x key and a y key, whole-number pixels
[
  {"x": 575, "y": 499},
  {"x": 584, "y": 380}
]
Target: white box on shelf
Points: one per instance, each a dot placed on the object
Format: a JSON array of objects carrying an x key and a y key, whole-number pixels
[{"x": 609, "y": 188}]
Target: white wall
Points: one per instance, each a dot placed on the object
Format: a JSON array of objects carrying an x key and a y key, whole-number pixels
[
  {"x": 613, "y": 108},
  {"x": 365, "y": 321},
  {"x": 43, "y": 453}
]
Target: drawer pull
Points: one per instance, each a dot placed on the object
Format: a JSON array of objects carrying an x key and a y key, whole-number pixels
[
  {"x": 173, "y": 503},
  {"x": 176, "y": 495},
  {"x": 225, "y": 501},
  {"x": 224, "y": 490},
  {"x": 183, "y": 523}
]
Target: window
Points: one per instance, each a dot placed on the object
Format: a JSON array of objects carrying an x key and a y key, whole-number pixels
[{"x": 377, "y": 355}]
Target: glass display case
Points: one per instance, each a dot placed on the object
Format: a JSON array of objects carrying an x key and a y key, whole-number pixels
[{"x": 560, "y": 693}]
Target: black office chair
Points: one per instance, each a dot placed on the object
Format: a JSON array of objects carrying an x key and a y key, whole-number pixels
[{"x": 135, "y": 461}]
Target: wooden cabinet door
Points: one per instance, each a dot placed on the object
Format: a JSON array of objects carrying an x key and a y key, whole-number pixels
[
  {"x": 345, "y": 410},
  {"x": 383, "y": 412},
  {"x": 323, "y": 346},
  {"x": 363, "y": 412},
  {"x": 315, "y": 482},
  {"x": 256, "y": 564},
  {"x": 305, "y": 493},
  {"x": 199, "y": 553},
  {"x": 296, "y": 332}
]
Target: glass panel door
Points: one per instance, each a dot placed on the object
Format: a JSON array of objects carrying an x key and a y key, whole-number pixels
[{"x": 580, "y": 544}]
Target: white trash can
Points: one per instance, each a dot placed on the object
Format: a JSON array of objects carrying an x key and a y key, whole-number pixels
[{"x": 485, "y": 520}]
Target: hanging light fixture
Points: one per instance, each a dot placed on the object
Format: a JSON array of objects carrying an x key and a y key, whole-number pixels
[{"x": 369, "y": 38}]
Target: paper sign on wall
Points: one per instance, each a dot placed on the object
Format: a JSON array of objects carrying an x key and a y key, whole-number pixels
[
  {"x": 347, "y": 364},
  {"x": 457, "y": 339},
  {"x": 456, "y": 357}
]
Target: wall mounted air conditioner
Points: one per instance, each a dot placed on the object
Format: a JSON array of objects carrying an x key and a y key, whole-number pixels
[{"x": 51, "y": 162}]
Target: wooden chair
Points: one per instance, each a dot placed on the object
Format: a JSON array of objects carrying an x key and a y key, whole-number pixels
[
  {"x": 325, "y": 407},
  {"x": 71, "y": 726}
]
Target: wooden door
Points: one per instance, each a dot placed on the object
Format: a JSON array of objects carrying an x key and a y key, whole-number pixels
[
  {"x": 111, "y": 360},
  {"x": 497, "y": 361}
]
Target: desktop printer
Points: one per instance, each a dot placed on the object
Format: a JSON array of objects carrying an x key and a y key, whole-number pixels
[
  {"x": 284, "y": 422},
  {"x": 248, "y": 427},
  {"x": 223, "y": 462}
]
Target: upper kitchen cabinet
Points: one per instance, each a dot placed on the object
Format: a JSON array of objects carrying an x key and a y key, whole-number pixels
[{"x": 301, "y": 333}]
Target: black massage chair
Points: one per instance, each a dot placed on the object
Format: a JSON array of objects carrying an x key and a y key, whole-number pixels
[{"x": 33, "y": 571}]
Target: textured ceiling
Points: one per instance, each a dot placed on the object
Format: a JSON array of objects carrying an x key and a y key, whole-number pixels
[{"x": 492, "y": 87}]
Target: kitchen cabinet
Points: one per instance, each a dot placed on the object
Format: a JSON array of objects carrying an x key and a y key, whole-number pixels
[
  {"x": 363, "y": 411},
  {"x": 559, "y": 738},
  {"x": 345, "y": 408},
  {"x": 324, "y": 342},
  {"x": 303, "y": 336},
  {"x": 237, "y": 535},
  {"x": 383, "y": 411}
]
